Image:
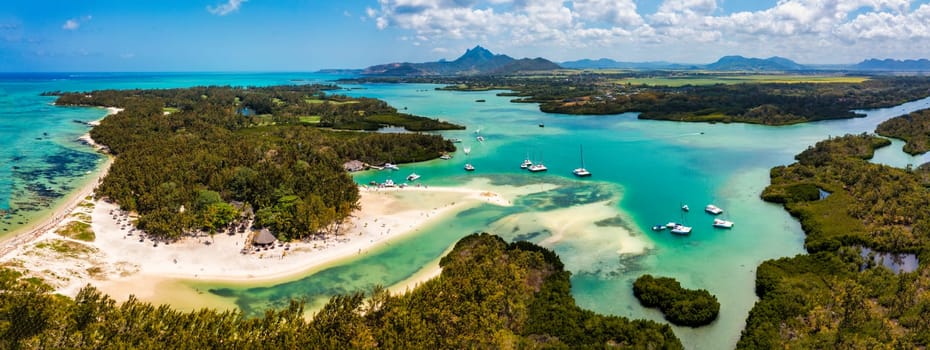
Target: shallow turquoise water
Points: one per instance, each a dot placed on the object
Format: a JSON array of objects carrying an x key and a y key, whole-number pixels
[
  {"x": 643, "y": 169},
  {"x": 652, "y": 165}
]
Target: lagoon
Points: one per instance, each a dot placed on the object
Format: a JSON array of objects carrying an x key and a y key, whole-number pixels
[{"x": 643, "y": 171}]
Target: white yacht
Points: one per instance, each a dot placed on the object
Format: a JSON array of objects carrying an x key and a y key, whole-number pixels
[
  {"x": 526, "y": 164},
  {"x": 480, "y": 138},
  {"x": 469, "y": 167},
  {"x": 723, "y": 223},
  {"x": 456, "y": 140},
  {"x": 713, "y": 209},
  {"x": 467, "y": 150},
  {"x": 388, "y": 183},
  {"x": 413, "y": 177},
  {"x": 390, "y": 166},
  {"x": 445, "y": 156}
]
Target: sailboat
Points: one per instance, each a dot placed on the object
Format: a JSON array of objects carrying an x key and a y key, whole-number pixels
[
  {"x": 538, "y": 167},
  {"x": 681, "y": 229},
  {"x": 526, "y": 162},
  {"x": 581, "y": 172},
  {"x": 468, "y": 166}
]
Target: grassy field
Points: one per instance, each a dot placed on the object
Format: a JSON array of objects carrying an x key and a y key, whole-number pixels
[
  {"x": 310, "y": 119},
  {"x": 675, "y": 81},
  {"x": 77, "y": 230},
  {"x": 315, "y": 101}
]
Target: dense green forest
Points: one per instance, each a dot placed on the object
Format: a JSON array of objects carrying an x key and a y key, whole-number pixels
[
  {"x": 757, "y": 102},
  {"x": 490, "y": 295},
  {"x": 182, "y": 169},
  {"x": 278, "y": 105},
  {"x": 685, "y": 307},
  {"x": 913, "y": 128},
  {"x": 837, "y": 296}
]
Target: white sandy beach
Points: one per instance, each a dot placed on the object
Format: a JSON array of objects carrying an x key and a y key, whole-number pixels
[{"x": 119, "y": 264}]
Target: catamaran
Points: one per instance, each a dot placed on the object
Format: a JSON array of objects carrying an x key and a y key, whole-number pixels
[
  {"x": 535, "y": 168},
  {"x": 538, "y": 167},
  {"x": 713, "y": 209},
  {"x": 723, "y": 223},
  {"x": 526, "y": 162},
  {"x": 581, "y": 172},
  {"x": 681, "y": 230}
]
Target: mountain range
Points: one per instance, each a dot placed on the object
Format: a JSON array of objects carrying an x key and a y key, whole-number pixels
[
  {"x": 481, "y": 61},
  {"x": 476, "y": 61}
]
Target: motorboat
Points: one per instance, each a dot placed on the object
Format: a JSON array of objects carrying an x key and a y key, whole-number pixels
[
  {"x": 671, "y": 224},
  {"x": 713, "y": 209},
  {"x": 391, "y": 166},
  {"x": 685, "y": 208},
  {"x": 526, "y": 163},
  {"x": 469, "y": 167},
  {"x": 467, "y": 150},
  {"x": 658, "y": 227},
  {"x": 388, "y": 183},
  {"x": 445, "y": 156},
  {"x": 456, "y": 140},
  {"x": 413, "y": 177},
  {"x": 723, "y": 223},
  {"x": 480, "y": 138}
]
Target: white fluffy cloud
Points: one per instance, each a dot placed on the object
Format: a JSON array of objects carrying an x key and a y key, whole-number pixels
[
  {"x": 831, "y": 26},
  {"x": 227, "y": 8},
  {"x": 75, "y": 23}
]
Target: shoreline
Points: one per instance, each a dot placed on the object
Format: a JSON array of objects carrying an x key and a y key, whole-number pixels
[
  {"x": 56, "y": 215},
  {"x": 120, "y": 264}
]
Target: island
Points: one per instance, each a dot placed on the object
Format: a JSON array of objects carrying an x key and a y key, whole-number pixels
[
  {"x": 684, "y": 307},
  {"x": 491, "y": 294},
  {"x": 694, "y": 96},
  {"x": 213, "y": 159},
  {"x": 862, "y": 221}
]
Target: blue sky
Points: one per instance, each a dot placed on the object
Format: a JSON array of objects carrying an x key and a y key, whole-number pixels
[{"x": 304, "y": 35}]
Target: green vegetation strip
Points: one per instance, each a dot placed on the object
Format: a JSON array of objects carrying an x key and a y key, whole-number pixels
[{"x": 913, "y": 128}]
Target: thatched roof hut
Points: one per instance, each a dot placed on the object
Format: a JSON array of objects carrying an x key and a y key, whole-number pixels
[
  {"x": 354, "y": 165},
  {"x": 264, "y": 238}
]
